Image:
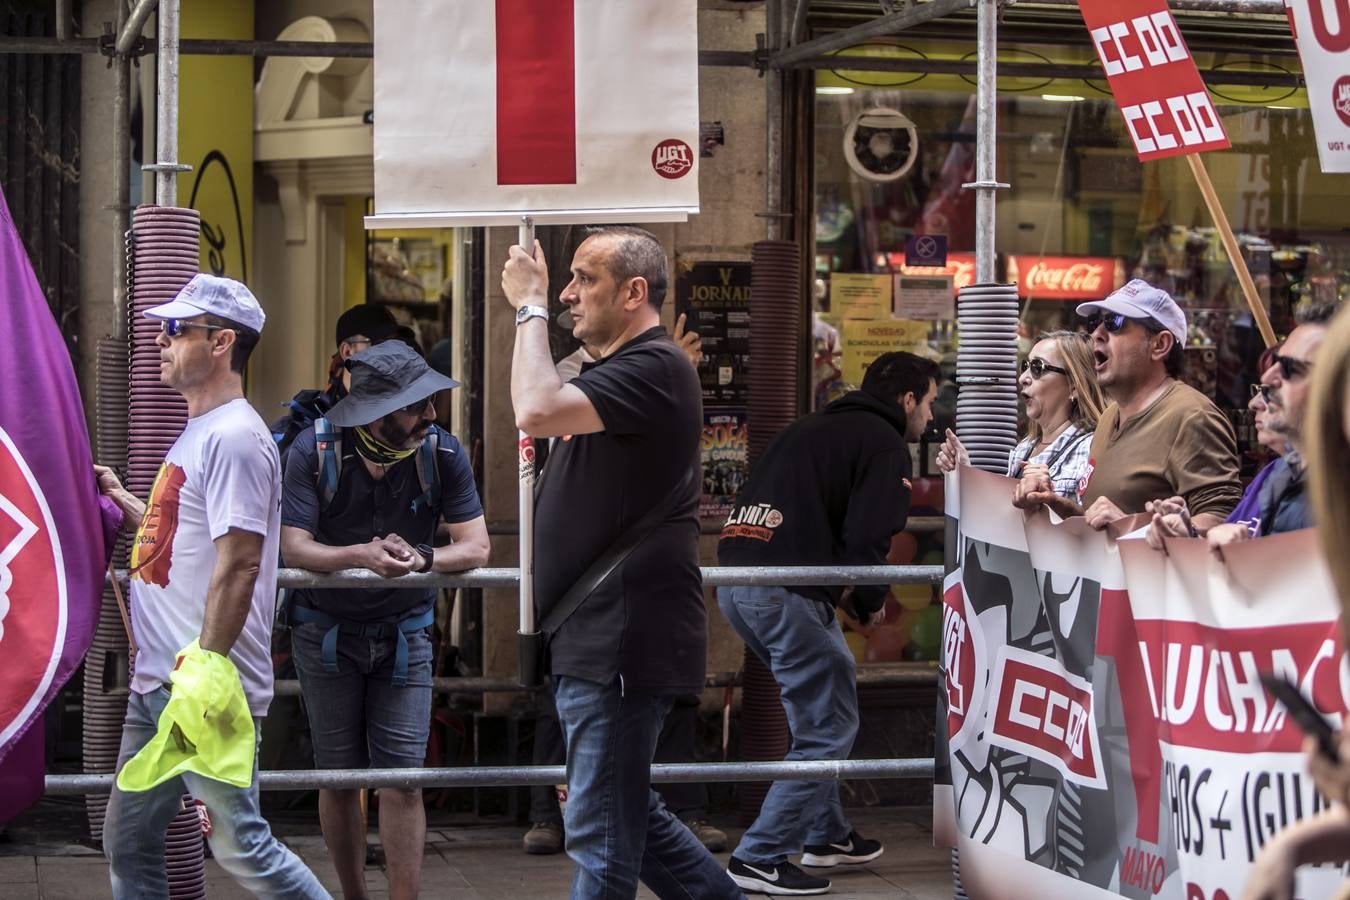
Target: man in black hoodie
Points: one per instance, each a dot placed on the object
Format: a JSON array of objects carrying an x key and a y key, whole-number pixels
[{"x": 830, "y": 489}]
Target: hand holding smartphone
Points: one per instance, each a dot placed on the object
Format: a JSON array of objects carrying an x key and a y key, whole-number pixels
[{"x": 1304, "y": 714}]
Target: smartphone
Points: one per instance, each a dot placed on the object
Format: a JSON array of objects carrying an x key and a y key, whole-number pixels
[{"x": 1302, "y": 711}]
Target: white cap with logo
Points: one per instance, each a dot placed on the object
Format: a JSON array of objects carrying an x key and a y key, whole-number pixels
[
  {"x": 213, "y": 295},
  {"x": 1140, "y": 300}
]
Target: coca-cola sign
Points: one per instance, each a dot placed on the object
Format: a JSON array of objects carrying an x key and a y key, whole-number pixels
[{"x": 1065, "y": 277}]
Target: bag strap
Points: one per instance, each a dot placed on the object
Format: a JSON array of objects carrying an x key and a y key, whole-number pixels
[
  {"x": 612, "y": 558},
  {"x": 428, "y": 470},
  {"x": 1078, "y": 439},
  {"x": 328, "y": 442}
]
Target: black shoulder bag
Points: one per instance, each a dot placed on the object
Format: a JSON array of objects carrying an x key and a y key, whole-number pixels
[{"x": 531, "y": 646}]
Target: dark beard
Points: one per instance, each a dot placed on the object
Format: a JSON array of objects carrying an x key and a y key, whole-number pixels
[{"x": 399, "y": 437}]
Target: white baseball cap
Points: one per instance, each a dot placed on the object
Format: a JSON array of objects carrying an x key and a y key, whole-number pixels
[
  {"x": 213, "y": 295},
  {"x": 1140, "y": 300}
]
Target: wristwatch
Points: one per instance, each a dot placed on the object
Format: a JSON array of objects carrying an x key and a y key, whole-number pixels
[
  {"x": 428, "y": 554},
  {"x": 526, "y": 313}
]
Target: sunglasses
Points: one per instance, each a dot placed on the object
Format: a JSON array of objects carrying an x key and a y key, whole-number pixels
[
  {"x": 1039, "y": 367},
  {"x": 1113, "y": 321},
  {"x": 1262, "y": 389},
  {"x": 175, "y": 327},
  {"x": 1291, "y": 368},
  {"x": 413, "y": 409}
]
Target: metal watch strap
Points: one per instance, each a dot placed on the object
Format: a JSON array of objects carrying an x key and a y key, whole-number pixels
[{"x": 528, "y": 312}]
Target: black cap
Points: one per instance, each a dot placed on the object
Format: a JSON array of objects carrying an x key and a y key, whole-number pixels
[{"x": 369, "y": 319}]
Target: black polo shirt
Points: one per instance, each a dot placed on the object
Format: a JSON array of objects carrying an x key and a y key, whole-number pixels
[
  {"x": 647, "y": 622},
  {"x": 364, "y": 508}
]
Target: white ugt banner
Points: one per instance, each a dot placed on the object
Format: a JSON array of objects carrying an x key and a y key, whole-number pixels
[
  {"x": 566, "y": 110},
  {"x": 1322, "y": 34}
]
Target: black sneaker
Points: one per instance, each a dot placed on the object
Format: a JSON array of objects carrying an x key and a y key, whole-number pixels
[
  {"x": 784, "y": 878},
  {"x": 853, "y": 850}
]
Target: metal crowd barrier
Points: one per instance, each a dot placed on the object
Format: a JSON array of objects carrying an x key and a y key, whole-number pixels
[
  {"x": 512, "y": 776},
  {"x": 916, "y": 674},
  {"x": 713, "y": 576}
]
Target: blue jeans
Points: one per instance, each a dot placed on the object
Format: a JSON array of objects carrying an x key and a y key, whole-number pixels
[
  {"x": 618, "y": 830},
  {"x": 799, "y": 640},
  {"x": 241, "y": 841},
  {"x": 357, "y": 716}
]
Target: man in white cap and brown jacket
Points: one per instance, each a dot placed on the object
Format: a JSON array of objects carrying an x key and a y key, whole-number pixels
[{"x": 1159, "y": 438}]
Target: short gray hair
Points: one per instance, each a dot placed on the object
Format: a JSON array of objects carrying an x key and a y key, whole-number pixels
[{"x": 636, "y": 252}]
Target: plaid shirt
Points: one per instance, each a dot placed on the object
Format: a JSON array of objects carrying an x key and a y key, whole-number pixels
[{"x": 1067, "y": 458}]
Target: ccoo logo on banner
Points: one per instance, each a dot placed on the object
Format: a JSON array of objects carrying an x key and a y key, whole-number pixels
[
  {"x": 573, "y": 111},
  {"x": 1107, "y": 732},
  {"x": 1157, "y": 87}
]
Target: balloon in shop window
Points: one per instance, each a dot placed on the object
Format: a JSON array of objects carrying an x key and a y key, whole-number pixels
[{"x": 913, "y": 596}]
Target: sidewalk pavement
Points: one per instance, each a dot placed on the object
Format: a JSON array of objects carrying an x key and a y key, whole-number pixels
[{"x": 485, "y": 862}]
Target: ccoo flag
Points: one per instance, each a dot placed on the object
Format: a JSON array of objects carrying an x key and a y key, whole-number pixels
[{"x": 51, "y": 533}]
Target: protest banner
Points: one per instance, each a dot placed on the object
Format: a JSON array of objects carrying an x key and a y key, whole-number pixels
[
  {"x": 572, "y": 111},
  {"x": 51, "y": 533},
  {"x": 1106, "y": 730},
  {"x": 1323, "y": 43},
  {"x": 1166, "y": 109}
]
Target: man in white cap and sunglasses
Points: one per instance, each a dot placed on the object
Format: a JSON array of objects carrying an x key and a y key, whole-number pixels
[
  {"x": 1159, "y": 438},
  {"x": 203, "y": 571},
  {"x": 367, "y": 486}
]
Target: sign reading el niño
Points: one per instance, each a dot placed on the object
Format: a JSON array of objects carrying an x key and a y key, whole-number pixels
[{"x": 1157, "y": 87}]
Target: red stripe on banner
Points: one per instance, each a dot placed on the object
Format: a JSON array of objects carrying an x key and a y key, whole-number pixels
[{"x": 536, "y": 93}]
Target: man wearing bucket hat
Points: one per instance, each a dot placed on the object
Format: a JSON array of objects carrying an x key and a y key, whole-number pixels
[
  {"x": 366, "y": 487},
  {"x": 203, "y": 582},
  {"x": 1159, "y": 437}
]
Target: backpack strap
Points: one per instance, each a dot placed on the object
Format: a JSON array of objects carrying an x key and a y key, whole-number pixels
[
  {"x": 328, "y": 442},
  {"x": 428, "y": 471}
]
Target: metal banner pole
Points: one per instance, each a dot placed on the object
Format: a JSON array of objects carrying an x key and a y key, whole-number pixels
[
  {"x": 986, "y": 183},
  {"x": 528, "y": 638}
]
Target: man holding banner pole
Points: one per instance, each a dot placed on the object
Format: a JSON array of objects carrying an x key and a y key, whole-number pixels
[{"x": 616, "y": 578}]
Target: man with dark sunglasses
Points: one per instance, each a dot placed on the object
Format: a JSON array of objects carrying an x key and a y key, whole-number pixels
[
  {"x": 1281, "y": 501},
  {"x": 1159, "y": 437},
  {"x": 203, "y": 586},
  {"x": 366, "y": 486}
]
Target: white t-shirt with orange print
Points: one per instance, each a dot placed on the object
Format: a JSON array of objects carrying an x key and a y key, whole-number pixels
[{"x": 223, "y": 472}]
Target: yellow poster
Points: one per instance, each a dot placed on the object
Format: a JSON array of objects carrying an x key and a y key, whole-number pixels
[
  {"x": 857, "y": 296},
  {"x": 864, "y": 341},
  {"x": 215, "y": 136}
]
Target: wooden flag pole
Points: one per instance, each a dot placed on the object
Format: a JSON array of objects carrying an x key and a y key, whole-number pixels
[{"x": 1231, "y": 246}]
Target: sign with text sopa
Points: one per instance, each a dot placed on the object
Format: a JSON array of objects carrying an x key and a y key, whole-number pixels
[
  {"x": 1323, "y": 41},
  {"x": 1157, "y": 87}
]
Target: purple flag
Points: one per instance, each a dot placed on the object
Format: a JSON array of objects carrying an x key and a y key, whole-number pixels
[{"x": 51, "y": 530}]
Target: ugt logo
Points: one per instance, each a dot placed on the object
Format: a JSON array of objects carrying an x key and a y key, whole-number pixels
[
  {"x": 1340, "y": 98},
  {"x": 32, "y": 592},
  {"x": 672, "y": 158}
]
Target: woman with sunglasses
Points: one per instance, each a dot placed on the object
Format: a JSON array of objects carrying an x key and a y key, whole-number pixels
[{"x": 1063, "y": 403}]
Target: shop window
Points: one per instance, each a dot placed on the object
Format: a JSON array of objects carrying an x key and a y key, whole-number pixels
[{"x": 1082, "y": 217}]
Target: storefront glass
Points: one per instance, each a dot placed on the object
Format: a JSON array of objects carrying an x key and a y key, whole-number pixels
[{"x": 1082, "y": 216}]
